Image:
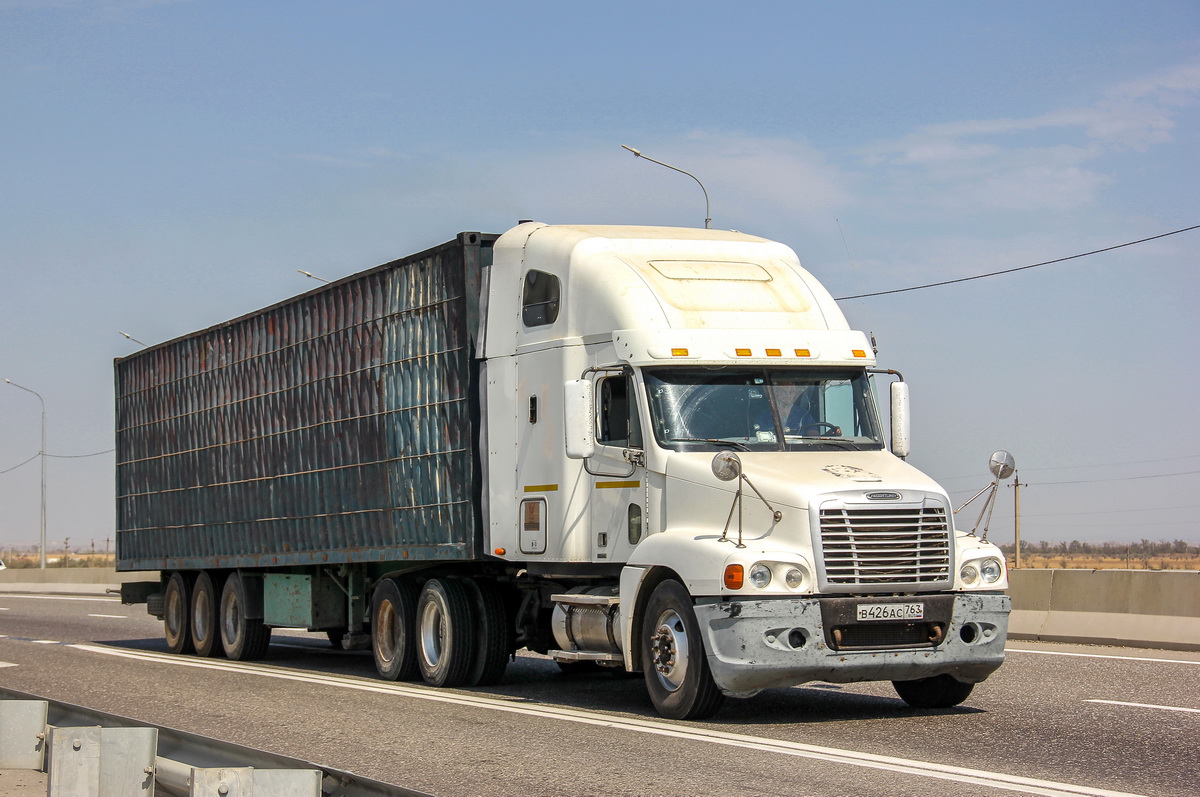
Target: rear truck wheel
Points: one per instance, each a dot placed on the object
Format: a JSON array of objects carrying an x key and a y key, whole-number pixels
[
  {"x": 495, "y": 643},
  {"x": 676, "y": 669},
  {"x": 940, "y": 691},
  {"x": 242, "y": 638},
  {"x": 205, "y": 634},
  {"x": 446, "y": 621},
  {"x": 393, "y": 619},
  {"x": 177, "y": 609}
]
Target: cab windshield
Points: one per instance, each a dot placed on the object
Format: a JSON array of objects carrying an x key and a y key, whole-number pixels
[{"x": 763, "y": 409}]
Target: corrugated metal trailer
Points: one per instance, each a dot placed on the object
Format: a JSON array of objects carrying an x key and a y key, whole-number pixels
[{"x": 339, "y": 426}]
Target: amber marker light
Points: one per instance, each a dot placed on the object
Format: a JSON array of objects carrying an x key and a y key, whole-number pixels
[
  {"x": 742, "y": 352},
  {"x": 774, "y": 353},
  {"x": 803, "y": 353},
  {"x": 858, "y": 353},
  {"x": 500, "y": 552},
  {"x": 735, "y": 576},
  {"x": 679, "y": 352}
]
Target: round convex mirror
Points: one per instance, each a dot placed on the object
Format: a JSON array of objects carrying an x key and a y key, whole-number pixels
[
  {"x": 726, "y": 466},
  {"x": 1002, "y": 464}
]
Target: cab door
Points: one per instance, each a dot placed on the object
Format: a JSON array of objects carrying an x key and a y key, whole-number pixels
[{"x": 617, "y": 469}]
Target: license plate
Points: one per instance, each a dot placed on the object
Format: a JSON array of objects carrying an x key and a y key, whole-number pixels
[{"x": 890, "y": 611}]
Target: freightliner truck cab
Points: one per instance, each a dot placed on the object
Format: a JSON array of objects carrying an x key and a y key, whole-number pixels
[{"x": 696, "y": 445}]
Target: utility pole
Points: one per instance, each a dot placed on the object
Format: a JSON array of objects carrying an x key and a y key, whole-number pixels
[{"x": 1017, "y": 519}]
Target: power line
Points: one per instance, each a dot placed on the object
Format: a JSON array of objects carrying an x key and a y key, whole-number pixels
[
  {"x": 1075, "y": 467},
  {"x": 1120, "y": 478},
  {"x": 58, "y": 456},
  {"x": 81, "y": 456},
  {"x": 26, "y": 462},
  {"x": 1018, "y": 268}
]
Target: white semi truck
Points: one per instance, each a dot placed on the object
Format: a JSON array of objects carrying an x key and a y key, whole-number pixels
[{"x": 653, "y": 449}]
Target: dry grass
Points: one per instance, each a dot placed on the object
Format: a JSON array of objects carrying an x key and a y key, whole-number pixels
[{"x": 1084, "y": 561}]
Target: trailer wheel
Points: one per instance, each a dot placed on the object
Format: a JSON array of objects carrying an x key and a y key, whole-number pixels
[
  {"x": 204, "y": 626},
  {"x": 676, "y": 669},
  {"x": 495, "y": 643},
  {"x": 177, "y": 604},
  {"x": 393, "y": 617},
  {"x": 445, "y": 633},
  {"x": 939, "y": 691},
  {"x": 243, "y": 638}
]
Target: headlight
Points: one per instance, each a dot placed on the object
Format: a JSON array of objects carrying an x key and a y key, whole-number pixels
[
  {"x": 991, "y": 570},
  {"x": 794, "y": 578},
  {"x": 969, "y": 574},
  {"x": 760, "y": 575}
]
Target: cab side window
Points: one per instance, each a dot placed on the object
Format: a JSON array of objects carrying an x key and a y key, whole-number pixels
[
  {"x": 539, "y": 299},
  {"x": 618, "y": 417}
]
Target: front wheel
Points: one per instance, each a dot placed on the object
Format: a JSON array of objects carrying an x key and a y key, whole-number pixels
[
  {"x": 940, "y": 691},
  {"x": 676, "y": 670}
]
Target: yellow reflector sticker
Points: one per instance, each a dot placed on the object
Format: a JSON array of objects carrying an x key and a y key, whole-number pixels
[
  {"x": 611, "y": 485},
  {"x": 541, "y": 488}
]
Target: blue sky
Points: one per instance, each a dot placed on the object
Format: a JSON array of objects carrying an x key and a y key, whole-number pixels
[{"x": 169, "y": 165}]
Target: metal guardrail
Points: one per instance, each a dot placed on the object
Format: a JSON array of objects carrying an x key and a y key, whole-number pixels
[{"x": 72, "y": 744}]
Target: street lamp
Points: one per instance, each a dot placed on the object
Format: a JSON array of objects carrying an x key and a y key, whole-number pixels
[
  {"x": 707, "y": 211},
  {"x": 42, "y": 455}
]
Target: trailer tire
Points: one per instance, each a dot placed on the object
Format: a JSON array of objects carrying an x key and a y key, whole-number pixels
[
  {"x": 676, "y": 669},
  {"x": 242, "y": 638},
  {"x": 446, "y": 620},
  {"x": 393, "y": 622},
  {"x": 495, "y": 644},
  {"x": 939, "y": 691},
  {"x": 205, "y": 629},
  {"x": 177, "y": 609}
]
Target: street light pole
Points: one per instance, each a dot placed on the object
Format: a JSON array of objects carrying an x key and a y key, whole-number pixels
[
  {"x": 42, "y": 456},
  {"x": 707, "y": 210}
]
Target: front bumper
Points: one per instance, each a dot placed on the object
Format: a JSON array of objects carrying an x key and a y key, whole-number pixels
[{"x": 759, "y": 644}]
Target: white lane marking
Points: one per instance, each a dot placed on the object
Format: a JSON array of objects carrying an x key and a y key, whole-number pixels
[
  {"x": 5, "y": 608},
  {"x": 980, "y": 777},
  {"x": 44, "y": 641},
  {"x": 1101, "y": 656},
  {"x": 7, "y": 664},
  {"x": 6, "y": 595},
  {"x": 114, "y": 616},
  {"x": 1144, "y": 705}
]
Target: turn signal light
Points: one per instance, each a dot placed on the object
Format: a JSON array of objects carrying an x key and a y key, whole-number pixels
[{"x": 735, "y": 576}]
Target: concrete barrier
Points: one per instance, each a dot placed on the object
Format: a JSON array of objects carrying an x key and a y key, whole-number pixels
[
  {"x": 67, "y": 580},
  {"x": 1136, "y": 608}
]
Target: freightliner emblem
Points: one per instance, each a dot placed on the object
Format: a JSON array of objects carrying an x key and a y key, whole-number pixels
[{"x": 883, "y": 496}]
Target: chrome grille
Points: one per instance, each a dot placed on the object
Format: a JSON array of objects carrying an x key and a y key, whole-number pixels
[{"x": 881, "y": 546}]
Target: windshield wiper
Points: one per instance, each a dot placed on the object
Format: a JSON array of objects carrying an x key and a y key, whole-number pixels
[
  {"x": 831, "y": 440},
  {"x": 713, "y": 440}
]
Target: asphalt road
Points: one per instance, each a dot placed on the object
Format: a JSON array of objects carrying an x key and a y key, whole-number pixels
[{"x": 1054, "y": 720}]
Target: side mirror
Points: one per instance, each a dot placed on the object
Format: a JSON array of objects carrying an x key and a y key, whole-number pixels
[
  {"x": 579, "y": 416},
  {"x": 900, "y": 423}
]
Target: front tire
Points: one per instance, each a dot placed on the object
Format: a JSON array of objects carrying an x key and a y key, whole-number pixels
[
  {"x": 177, "y": 607},
  {"x": 393, "y": 618},
  {"x": 242, "y": 638},
  {"x": 940, "y": 691},
  {"x": 446, "y": 620},
  {"x": 677, "y": 676}
]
